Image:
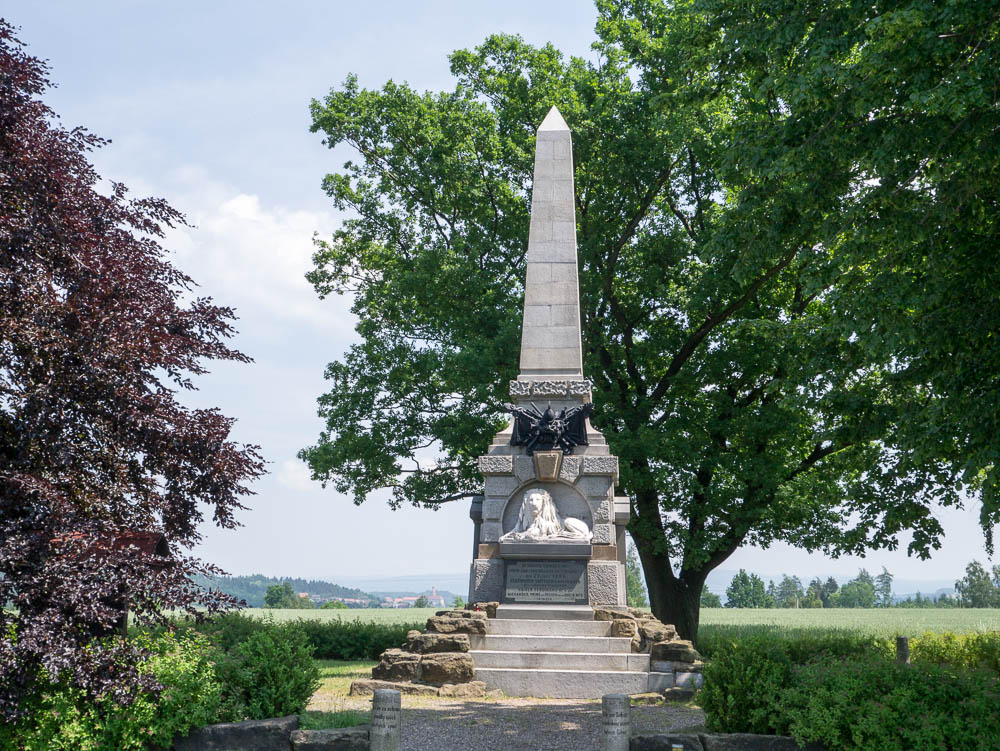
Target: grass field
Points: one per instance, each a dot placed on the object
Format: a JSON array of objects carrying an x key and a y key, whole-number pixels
[{"x": 878, "y": 622}]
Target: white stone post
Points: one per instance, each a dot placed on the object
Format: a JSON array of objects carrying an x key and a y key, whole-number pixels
[
  {"x": 386, "y": 709},
  {"x": 616, "y": 722}
]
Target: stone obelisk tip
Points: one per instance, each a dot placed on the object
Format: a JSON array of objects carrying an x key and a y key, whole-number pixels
[
  {"x": 553, "y": 121},
  {"x": 550, "y": 334}
]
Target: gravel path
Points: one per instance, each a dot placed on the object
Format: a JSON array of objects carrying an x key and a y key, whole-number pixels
[{"x": 511, "y": 724}]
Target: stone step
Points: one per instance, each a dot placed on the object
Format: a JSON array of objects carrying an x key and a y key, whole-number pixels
[
  {"x": 561, "y": 660},
  {"x": 530, "y": 627},
  {"x": 563, "y": 684},
  {"x": 547, "y": 612},
  {"x": 502, "y": 643}
]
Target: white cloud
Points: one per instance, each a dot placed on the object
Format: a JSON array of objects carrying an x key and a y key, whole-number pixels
[
  {"x": 294, "y": 475},
  {"x": 253, "y": 257}
]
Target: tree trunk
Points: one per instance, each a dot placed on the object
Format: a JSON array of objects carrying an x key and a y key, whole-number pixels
[{"x": 676, "y": 601}]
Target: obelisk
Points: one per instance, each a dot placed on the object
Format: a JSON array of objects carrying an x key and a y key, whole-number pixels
[
  {"x": 554, "y": 452},
  {"x": 550, "y": 336}
]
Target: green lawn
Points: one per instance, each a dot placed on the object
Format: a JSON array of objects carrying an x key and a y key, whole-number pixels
[{"x": 877, "y": 622}]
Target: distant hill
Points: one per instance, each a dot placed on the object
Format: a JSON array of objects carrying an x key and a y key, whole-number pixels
[{"x": 253, "y": 588}]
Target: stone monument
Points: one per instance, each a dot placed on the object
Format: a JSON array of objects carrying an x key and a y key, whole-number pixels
[{"x": 549, "y": 529}]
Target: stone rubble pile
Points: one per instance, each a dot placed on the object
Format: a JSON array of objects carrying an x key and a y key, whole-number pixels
[{"x": 434, "y": 663}]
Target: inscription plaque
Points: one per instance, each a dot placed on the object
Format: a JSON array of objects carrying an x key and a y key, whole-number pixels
[{"x": 562, "y": 582}]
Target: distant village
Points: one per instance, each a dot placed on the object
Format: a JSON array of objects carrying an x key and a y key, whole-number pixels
[{"x": 432, "y": 600}]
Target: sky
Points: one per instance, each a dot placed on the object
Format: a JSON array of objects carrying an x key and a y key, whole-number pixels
[{"x": 206, "y": 105}]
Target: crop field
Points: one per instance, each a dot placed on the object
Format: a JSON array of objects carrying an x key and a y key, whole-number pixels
[{"x": 877, "y": 622}]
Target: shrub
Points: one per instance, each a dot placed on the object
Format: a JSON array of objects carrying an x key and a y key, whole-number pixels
[
  {"x": 63, "y": 718},
  {"x": 972, "y": 650},
  {"x": 269, "y": 674},
  {"x": 746, "y": 678},
  {"x": 354, "y": 640},
  {"x": 867, "y": 703}
]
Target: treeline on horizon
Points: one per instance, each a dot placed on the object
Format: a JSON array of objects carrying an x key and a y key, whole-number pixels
[
  {"x": 252, "y": 588},
  {"x": 979, "y": 588}
]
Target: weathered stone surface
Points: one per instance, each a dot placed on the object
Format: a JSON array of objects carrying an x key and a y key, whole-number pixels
[
  {"x": 594, "y": 488},
  {"x": 520, "y": 388},
  {"x": 547, "y": 465},
  {"x": 253, "y": 735},
  {"x": 486, "y": 579},
  {"x": 578, "y": 388},
  {"x": 606, "y": 582},
  {"x": 653, "y": 631},
  {"x": 339, "y": 739},
  {"x": 687, "y": 679},
  {"x": 365, "y": 687},
  {"x": 470, "y": 690},
  {"x": 490, "y": 608},
  {"x": 651, "y": 697},
  {"x": 748, "y": 742},
  {"x": 524, "y": 468},
  {"x": 678, "y": 694},
  {"x": 470, "y": 613},
  {"x": 428, "y": 643},
  {"x": 639, "y": 614},
  {"x": 447, "y": 667},
  {"x": 604, "y": 534},
  {"x": 396, "y": 665},
  {"x": 490, "y": 531},
  {"x": 600, "y": 465},
  {"x": 623, "y": 627},
  {"x": 448, "y": 625},
  {"x": 674, "y": 651},
  {"x": 606, "y": 614},
  {"x": 570, "y": 469},
  {"x": 673, "y": 742},
  {"x": 499, "y": 464},
  {"x": 549, "y": 388}
]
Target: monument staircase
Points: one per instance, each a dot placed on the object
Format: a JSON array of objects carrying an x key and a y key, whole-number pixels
[{"x": 559, "y": 651}]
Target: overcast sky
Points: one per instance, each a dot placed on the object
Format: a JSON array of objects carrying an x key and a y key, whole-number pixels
[{"x": 206, "y": 104}]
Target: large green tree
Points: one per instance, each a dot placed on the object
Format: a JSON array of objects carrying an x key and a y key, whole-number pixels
[{"x": 752, "y": 281}]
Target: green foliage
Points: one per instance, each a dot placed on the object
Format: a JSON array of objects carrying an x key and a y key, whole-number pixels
[
  {"x": 710, "y": 599},
  {"x": 420, "y": 602},
  {"x": 459, "y": 602},
  {"x": 978, "y": 589},
  {"x": 866, "y": 703},
  {"x": 635, "y": 590},
  {"x": 971, "y": 651},
  {"x": 787, "y": 299},
  {"x": 253, "y": 588},
  {"x": 747, "y": 591},
  {"x": 270, "y": 673},
  {"x": 344, "y": 718},
  {"x": 333, "y": 605},
  {"x": 354, "y": 640},
  {"x": 283, "y": 596},
  {"x": 64, "y": 719}
]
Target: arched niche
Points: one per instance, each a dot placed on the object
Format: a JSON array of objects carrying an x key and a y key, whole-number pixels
[{"x": 568, "y": 500}]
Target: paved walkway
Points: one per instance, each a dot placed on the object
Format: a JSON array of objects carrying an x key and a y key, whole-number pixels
[{"x": 512, "y": 724}]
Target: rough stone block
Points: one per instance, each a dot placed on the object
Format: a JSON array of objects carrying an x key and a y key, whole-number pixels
[
  {"x": 520, "y": 388},
  {"x": 653, "y": 631},
  {"x": 674, "y": 651},
  {"x": 397, "y": 665},
  {"x": 490, "y": 531},
  {"x": 448, "y": 625},
  {"x": 524, "y": 468},
  {"x": 447, "y": 667},
  {"x": 486, "y": 580},
  {"x": 688, "y": 680},
  {"x": 253, "y": 735},
  {"x": 339, "y": 739},
  {"x": 602, "y": 514},
  {"x": 470, "y": 690},
  {"x": 623, "y": 627},
  {"x": 749, "y": 742},
  {"x": 570, "y": 469},
  {"x": 607, "y": 614},
  {"x": 550, "y": 388},
  {"x": 498, "y": 464},
  {"x": 427, "y": 643},
  {"x": 493, "y": 508},
  {"x": 604, "y": 534},
  {"x": 660, "y": 681},
  {"x": 601, "y": 465},
  {"x": 501, "y": 485},
  {"x": 365, "y": 687},
  {"x": 578, "y": 388},
  {"x": 602, "y": 578},
  {"x": 597, "y": 488},
  {"x": 673, "y": 742}
]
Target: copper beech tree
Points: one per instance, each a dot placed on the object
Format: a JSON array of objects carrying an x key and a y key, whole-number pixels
[{"x": 98, "y": 333}]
